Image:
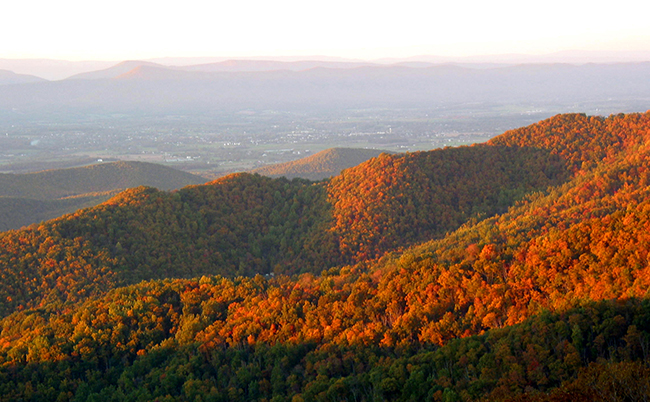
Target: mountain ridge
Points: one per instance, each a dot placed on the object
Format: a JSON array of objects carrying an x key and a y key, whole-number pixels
[
  {"x": 52, "y": 69},
  {"x": 514, "y": 270},
  {"x": 243, "y": 224},
  {"x": 162, "y": 90}
]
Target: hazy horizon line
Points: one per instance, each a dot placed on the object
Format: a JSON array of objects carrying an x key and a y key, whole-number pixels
[{"x": 59, "y": 69}]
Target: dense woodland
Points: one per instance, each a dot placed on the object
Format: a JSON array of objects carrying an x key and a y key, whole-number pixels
[{"x": 515, "y": 270}]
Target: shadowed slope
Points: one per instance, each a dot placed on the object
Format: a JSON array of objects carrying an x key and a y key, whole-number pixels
[
  {"x": 34, "y": 197},
  {"x": 99, "y": 177},
  {"x": 19, "y": 212}
]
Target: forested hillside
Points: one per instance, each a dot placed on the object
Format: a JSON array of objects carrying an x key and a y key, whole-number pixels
[
  {"x": 513, "y": 270},
  {"x": 394, "y": 201},
  {"x": 248, "y": 224}
]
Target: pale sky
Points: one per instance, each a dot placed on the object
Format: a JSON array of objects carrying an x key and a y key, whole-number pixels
[{"x": 132, "y": 29}]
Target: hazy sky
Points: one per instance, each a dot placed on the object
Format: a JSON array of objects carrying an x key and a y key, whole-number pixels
[{"x": 134, "y": 29}]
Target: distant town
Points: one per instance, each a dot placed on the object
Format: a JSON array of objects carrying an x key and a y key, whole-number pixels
[{"x": 220, "y": 145}]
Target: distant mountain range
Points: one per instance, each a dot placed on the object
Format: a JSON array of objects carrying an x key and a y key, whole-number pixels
[
  {"x": 129, "y": 68},
  {"x": 60, "y": 69},
  {"x": 34, "y": 197},
  {"x": 137, "y": 88},
  {"x": 321, "y": 165}
]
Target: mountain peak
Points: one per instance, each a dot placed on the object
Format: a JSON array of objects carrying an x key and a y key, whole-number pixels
[{"x": 115, "y": 71}]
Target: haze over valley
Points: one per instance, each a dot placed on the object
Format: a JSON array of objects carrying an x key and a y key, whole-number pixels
[{"x": 237, "y": 115}]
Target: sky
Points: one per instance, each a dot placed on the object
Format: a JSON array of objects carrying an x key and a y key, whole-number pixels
[{"x": 133, "y": 29}]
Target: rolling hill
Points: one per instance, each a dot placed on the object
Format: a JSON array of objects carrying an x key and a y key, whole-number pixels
[
  {"x": 9, "y": 77},
  {"x": 34, "y": 197},
  {"x": 321, "y": 165},
  {"x": 514, "y": 270}
]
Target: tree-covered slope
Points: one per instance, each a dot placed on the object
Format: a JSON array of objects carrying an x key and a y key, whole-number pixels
[
  {"x": 238, "y": 225},
  {"x": 546, "y": 300},
  {"x": 394, "y": 201},
  {"x": 247, "y": 224},
  {"x": 158, "y": 340}
]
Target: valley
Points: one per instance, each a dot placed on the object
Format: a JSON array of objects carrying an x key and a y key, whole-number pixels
[
  {"x": 231, "y": 116},
  {"x": 218, "y": 145}
]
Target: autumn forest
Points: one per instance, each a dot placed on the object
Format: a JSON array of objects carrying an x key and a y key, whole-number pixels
[{"x": 512, "y": 270}]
